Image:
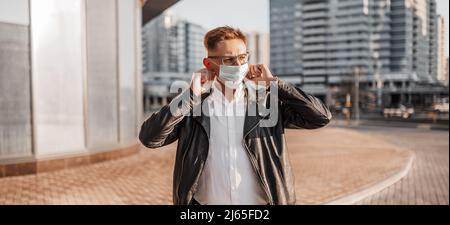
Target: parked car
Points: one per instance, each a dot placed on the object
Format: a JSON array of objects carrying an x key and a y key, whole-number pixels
[
  {"x": 398, "y": 111},
  {"x": 441, "y": 106}
]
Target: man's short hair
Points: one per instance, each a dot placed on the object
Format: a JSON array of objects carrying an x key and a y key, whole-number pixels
[{"x": 219, "y": 34}]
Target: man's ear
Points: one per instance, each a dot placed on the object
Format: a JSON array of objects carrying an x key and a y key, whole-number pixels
[
  {"x": 210, "y": 67},
  {"x": 206, "y": 63}
]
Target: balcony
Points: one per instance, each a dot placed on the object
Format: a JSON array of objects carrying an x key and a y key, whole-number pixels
[
  {"x": 314, "y": 56},
  {"x": 314, "y": 31},
  {"x": 315, "y": 15},
  {"x": 315, "y": 23},
  {"x": 317, "y": 47},
  {"x": 317, "y": 6}
]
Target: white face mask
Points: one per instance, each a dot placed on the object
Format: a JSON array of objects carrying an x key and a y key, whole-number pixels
[{"x": 232, "y": 76}]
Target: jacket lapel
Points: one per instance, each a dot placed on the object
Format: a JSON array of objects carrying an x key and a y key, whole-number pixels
[
  {"x": 203, "y": 118},
  {"x": 252, "y": 117}
]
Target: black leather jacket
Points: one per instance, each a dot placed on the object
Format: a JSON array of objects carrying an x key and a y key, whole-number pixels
[{"x": 266, "y": 146}]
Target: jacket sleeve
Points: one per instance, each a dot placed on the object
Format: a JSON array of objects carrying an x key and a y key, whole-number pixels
[
  {"x": 301, "y": 110},
  {"x": 162, "y": 127}
]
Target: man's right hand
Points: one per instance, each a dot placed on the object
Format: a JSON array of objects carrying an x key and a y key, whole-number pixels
[
  {"x": 199, "y": 78},
  {"x": 143, "y": 2}
]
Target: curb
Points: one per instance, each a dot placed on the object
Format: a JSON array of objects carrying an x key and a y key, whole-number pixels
[
  {"x": 374, "y": 188},
  {"x": 32, "y": 165},
  {"x": 421, "y": 126}
]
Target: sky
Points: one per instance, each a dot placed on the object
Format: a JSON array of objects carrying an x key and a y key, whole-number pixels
[{"x": 248, "y": 15}]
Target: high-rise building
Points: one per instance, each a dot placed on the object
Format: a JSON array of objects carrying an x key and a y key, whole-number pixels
[
  {"x": 172, "y": 45},
  {"x": 172, "y": 50},
  {"x": 258, "y": 46},
  {"x": 317, "y": 44},
  {"x": 193, "y": 41},
  {"x": 442, "y": 58},
  {"x": 446, "y": 78},
  {"x": 433, "y": 40}
]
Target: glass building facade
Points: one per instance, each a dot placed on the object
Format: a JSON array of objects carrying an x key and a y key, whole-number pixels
[
  {"x": 317, "y": 44},
  {"x": 70, "y": 77}
]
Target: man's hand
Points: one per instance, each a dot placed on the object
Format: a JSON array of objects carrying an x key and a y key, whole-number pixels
[
  {"x": 199, "y": 78},
  {"x": 143, "y": 2},
  {"x": 260, "y": 73}
]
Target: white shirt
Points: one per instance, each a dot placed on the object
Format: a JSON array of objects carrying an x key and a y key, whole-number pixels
[{"x": 228, "y": 177}]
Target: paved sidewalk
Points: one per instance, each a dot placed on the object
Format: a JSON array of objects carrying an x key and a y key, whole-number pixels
[
  {"x": 428, "y": 180},
  {"x": 335, "y": 162},
  {"x": 328, "y": 163}
]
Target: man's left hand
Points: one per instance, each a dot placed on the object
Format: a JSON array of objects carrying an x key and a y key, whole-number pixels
[{"x": 259, "y": 74}]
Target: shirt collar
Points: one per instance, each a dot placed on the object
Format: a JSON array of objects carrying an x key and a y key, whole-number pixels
[{"x": 216, "y": 91}]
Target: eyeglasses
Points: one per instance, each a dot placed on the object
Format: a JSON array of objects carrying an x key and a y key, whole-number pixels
[{"x": 232, "y": 60}]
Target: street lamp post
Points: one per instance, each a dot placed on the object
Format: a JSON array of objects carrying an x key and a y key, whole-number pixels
[
  {"x": 356, "y": 74},
  {"x": 379, "y": 81}
]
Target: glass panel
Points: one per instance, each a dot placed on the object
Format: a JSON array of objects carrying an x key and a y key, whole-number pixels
[
  {"x": 127, "y": 72},
  {"x": 15, "y": 122},
  {"x": 102, "y": 73},
  {"x": 58, "y": 69}
]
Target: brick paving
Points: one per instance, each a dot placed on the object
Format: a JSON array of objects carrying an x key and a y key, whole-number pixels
[
  {"x": 335, "y": 162},
  {"x": 427, "y": 181},
  {"x": 328, "y": 163}
]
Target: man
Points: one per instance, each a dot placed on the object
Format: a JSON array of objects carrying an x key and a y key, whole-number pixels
[{"x": 224, "y": 156}]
